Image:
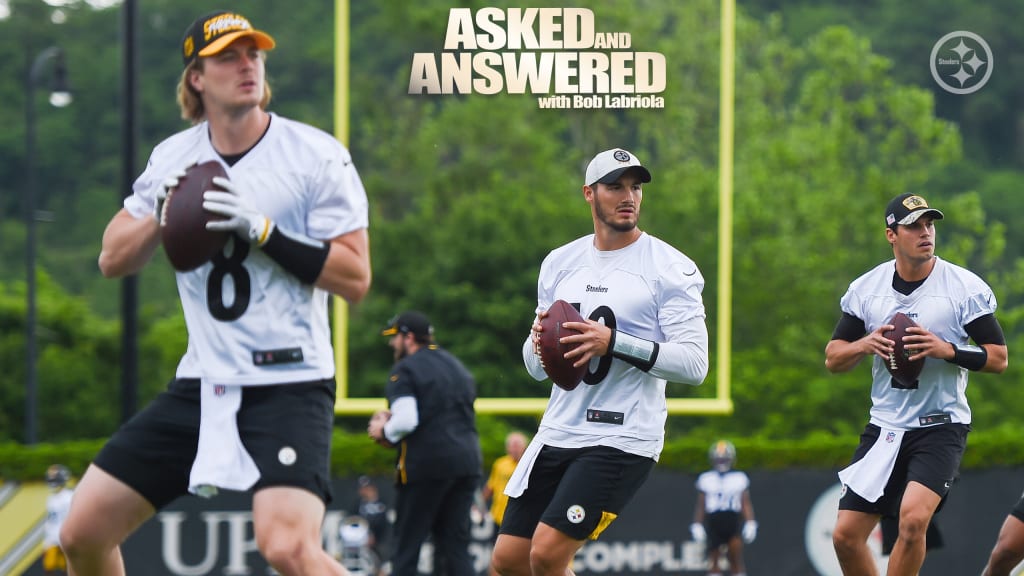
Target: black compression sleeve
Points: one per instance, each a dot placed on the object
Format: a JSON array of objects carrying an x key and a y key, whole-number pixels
[
  {"x": 986, "y": 330},
  {"x": 303, "y": 257},
  {"x": 849, "y": 328}
]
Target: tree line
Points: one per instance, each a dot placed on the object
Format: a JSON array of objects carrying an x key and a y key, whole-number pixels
[{"x": 469, "y": 192}]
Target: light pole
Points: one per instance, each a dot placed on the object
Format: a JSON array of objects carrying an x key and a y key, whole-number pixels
[{"x": 60, "y": 96}]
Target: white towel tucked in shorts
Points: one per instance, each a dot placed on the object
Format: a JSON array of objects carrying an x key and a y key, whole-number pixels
[
  {"x": 868, "y": 476},
  {"x": 221, "y": 459}
]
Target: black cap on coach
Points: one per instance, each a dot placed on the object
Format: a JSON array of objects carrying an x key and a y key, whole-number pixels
[
  {"x": 409, "y": 322},
  {"x": 213, "y": 32}
]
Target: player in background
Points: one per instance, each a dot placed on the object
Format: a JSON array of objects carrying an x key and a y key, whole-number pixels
[
  {"x": 438, "y": 463},
  {"x": 910, "y": 451},
  {"x": 501, "y": 471},
  {"x": 724, "y": 513},
  {"x": 58, "y": 501},
  {"x": 369, "y": 506},
  {"x": 251, "y": 406},
  {"x": 1009, "y": 548},
  {"x": 597, "y": 444}
]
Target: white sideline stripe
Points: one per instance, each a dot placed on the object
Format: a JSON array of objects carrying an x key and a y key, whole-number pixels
[
  {"x": 7, "y": 491},
  {"x": 22, "y": 548}
]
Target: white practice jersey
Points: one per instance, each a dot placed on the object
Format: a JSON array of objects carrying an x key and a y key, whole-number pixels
[
  {"x": 949, "y": 299},
  {"x": 249, "y": 321},
  {"x": 647, "y": 289},
  {"x": 57, "y": 506},
  {"x": 723, "y": 491}
]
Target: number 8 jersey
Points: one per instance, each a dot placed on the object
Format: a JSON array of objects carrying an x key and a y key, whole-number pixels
[
  {"x": 249, "y": 321},
  {"x": 649, "y": 290}
]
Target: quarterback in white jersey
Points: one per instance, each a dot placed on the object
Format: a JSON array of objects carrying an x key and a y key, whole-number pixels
[
  {"x": 647, "y": 289},
  {"x": 251, "y": 407},
  {"x": 248, "y": 323},
  {"x": 910, "y": 451},
  {"x": 596, "y": 445},
  {"x": 950, "y": 299}
]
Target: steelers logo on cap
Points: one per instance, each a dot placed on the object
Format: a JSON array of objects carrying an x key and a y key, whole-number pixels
[
  {"x": 287, "y": 456},
  {"x": 576, "y": 513},
  {"x": 189, "y": 47},
  {"x": 621, "y": 155}
]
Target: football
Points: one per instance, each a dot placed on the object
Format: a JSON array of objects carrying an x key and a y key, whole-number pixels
[
  {"x": 187, "y": 242},
  {"x": 904, "y": 372},
  {"x": 381, "y": 417},
  {"x": 560, "y": 370}
]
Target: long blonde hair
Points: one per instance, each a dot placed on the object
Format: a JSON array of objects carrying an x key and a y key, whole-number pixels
[{"x": 190, "y": 102}]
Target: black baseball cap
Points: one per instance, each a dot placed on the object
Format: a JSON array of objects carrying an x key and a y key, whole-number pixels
[
  {"x": 907, "y": 208},
  {"x": 409, "y": 322},
  {"x": 213, "y": 32}
]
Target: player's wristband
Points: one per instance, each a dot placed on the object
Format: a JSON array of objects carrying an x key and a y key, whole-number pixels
[
  {"x": 302, "y": 256},
  {"x": 971, "y": 357},
  {"x": 637, "y": 351}
]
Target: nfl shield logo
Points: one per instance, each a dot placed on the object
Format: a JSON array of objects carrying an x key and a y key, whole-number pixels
[
  {"x": 890, "y": 436},
  {"x": 219, "y": 390}
]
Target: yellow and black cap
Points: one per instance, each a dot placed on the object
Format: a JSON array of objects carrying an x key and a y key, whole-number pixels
[
  {"x": 409, "y": 322},
  {"x": 213, "y": 32}
]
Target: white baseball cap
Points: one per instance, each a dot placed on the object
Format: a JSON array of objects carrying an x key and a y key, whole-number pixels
[{"x": 609, "y": 165}]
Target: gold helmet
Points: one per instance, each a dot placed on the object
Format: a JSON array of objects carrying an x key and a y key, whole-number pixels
[
  {"x": 722, "y": 454},
  {"x": 57, "y": 475}
]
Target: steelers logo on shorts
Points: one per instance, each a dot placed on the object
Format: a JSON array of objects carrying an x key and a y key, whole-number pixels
[
  {"x": 575, "y": 514},
  {"x": 287, "y": 456},
  {"x": 842, "y": 492}
]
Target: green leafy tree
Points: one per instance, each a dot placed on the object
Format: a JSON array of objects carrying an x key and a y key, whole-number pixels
[{"x": 468, "y": 193}]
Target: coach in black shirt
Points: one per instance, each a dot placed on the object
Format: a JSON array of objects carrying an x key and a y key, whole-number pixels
[{"x": 438, "y": 465}]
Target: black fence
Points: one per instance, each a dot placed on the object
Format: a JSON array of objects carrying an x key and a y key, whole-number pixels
[{"x": 796, "y": 510}]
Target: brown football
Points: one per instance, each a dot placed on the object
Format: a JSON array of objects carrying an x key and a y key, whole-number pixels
[
  {"x": 904, "y": 372},
  {"x": 381, "y": 417},
  {"x": 187, "y": 242},
  {"x": 560, "y": 370}
]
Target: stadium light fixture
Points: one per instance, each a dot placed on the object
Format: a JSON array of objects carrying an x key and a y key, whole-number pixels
[{"x": 60, "y": 96}]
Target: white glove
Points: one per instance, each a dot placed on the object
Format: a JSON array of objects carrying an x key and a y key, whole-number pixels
[
  {"x": 241, "y": 216},
  {"x": 749, "y": 531},
  {"x": 161, "y": 195},
  {"x": 698, "y": 532}
]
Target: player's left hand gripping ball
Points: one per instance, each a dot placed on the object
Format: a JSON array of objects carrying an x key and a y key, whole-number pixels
[{"x": 240, "y": 216}]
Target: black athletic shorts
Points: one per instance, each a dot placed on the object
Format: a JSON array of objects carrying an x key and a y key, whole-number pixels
[
  {"x": 930, "y": 456},
  {"x": 153, "y": 452},
  {"x": 1018, "y": 510},
  {"x": 721, "y": 527},
  {"x": 578, "y": 491}
]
